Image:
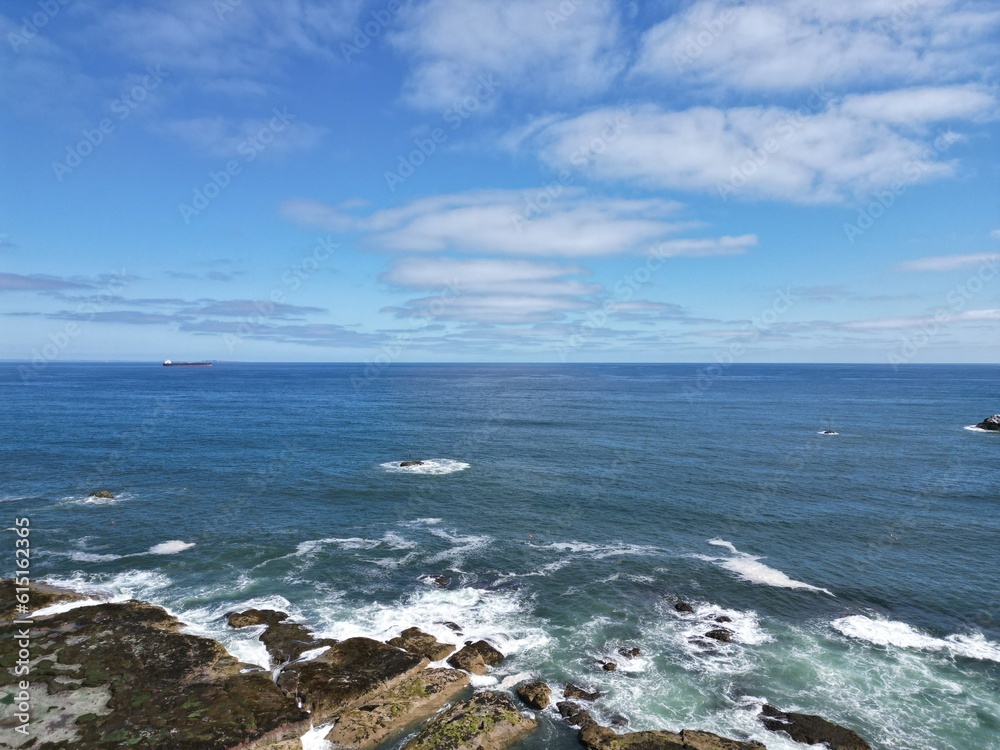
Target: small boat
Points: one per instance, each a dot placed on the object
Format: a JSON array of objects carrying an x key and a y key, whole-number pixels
[{"x": 168, "y": 363}]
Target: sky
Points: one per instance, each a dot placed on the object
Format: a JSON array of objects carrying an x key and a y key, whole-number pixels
[{"x": 711, "y": 181}]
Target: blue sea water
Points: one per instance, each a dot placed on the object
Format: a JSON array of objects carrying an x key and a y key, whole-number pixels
[{"x": 570, "y": 507}]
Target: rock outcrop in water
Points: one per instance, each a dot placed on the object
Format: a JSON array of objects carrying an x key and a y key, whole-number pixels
[
  {"x": 812, "y": 730},
  {"x": 476, "y": 658},
  {"x": 535, "y": 694},
  {"x": 418, "y": 642},
  {"x": 285, "y": 641},
  {"x": 103, "y": 494},
  {"x": 595, "y": 737},
  {"x": 990, "y": 423},
  {"x": 405, "y": 464}
]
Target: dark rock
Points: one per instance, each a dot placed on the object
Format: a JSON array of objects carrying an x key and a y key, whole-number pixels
[
  {"x": 723, "y": 618},
  {"x": 350, "y": 674},
  {"x": 104, "y": 494},
  {"x": 595, "y": 737},
  {"x": 451, "y": 626},
  {"x": 418, "y": 642},
  {"x": 610, "y": 666},
  {"x": 574, "y": 713},
  {"x": 575, "y": 691},
  {"x": 990, "y": 423},
  {"x": 487, "y": 721},
  {"x": 251, "y": 617},
  {"x": 830, "y": 432},
  {"x": 404, "y": 464},
  {"x": 439, "y": 581},
  {"x": 629, "y": 653},
  {"x": 683, "y": 607},
  {"x": 388, "y": 714},
  {"x": 812, "y": 730},
  {"x": 39, "y": 596},
  {"x": 535, "y": 694},
  {"x": 619, "y": 721},
  {"x": 720, "y": 634},
  {"x": 476, "y": 657},
  {"x": 122, "y": 675}
]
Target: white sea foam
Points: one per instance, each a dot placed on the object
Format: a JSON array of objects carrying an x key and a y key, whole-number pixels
[
  {"x": 463, "y": 545},
  {"x": 129, "y": 584},
  {"x": 314, "y": 739},
  {"x": 88, "y": 500},
  {"x": 974, "y": 428},
  {"x": 390, "y": 540},
  {"x": 56, "y": 609},
  {"x": 170, "y": 548},
  {"x": 749, "y": 568},
  {"x": 883, "y": 632},
  {"x": 433, "y": 466}
]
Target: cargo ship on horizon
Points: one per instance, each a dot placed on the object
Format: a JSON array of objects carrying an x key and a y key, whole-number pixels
[{"x": 168, "y": 363}]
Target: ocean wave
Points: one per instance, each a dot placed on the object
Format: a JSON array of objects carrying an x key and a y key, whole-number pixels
[
  {"x": 750, "y": 569},
  {"x": 129, "y": 584},
  {"x": 80, "y": 556},
  {"x": 170, "y": 548},
  {"x": 974, "y": 428},
  {"x": 390, "y": 540},
  {"x": 432, "y": 466},
  {"x": 884, "y": 632},
  {"x": 61, "y": 607},
  {"x": 314, "y": 739}
]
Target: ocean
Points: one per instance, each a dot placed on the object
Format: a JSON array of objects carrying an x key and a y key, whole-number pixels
[{"x": 569, "y": 507}]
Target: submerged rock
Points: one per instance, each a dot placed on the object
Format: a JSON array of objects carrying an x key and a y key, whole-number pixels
[
  {"x": 629, "y": 652},
  {"x": 487, "y": 721},
  {"x": 595, "y": 737},
  {"x": 103, "y": 494},
  {"x": 476, "y": 658},
  {"x": 990, "y": 423},
  {"x": 574, "y": 713},
  {"x": 684, "y": 607},
  {"x": 386, "y": 716},
  {"x": 350, "y": 674},
  {"x": 418, "y": 642},
  {"x": 610, "y": 666},
  {"x": 812, "y": 730},
  {"x": 720, "y": 634},
  {"x": 535, "y": 694},
  {"x": 723, "y": 618},
  {"x": 404, "y": 464},
  {"x": 575, "y": 691},
  {"x": 122, "y": 675}
]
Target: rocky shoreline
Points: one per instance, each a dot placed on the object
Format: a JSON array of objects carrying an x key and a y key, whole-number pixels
[{"x": 124, "y": 675}]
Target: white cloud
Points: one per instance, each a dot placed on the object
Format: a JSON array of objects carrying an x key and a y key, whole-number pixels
[
  {"x": 489, "y": 276},
  {"x": 951, "y": 262},
  {"x": 795, "y": 44},
  {"x": 532, "y": 47},
  {"x": 227, "y": 138},
  {"x": 513, "y": 223},
  {"x": 825, "y": 151}
]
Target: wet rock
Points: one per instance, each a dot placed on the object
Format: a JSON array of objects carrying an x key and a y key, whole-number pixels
[
  {"x": 574, "y": 713},
  {"x": 723, "y": 618},
  {"x": 418, "y": 642},
  {"x": 487, "y": 721},
  {"x": 990, "y": 423},
  {"x": 451, "y": 626},
  {"x": 629, "y": 652},
  {"x": 476, "y": 658},
  {"x": 440, "y": 581},
  {"x": 250, "y": 617},
  {"x": 575, "y": 691},
  {"x": 285, "y": 641},
  {"x": 618, "y": 721},
  {"x": 39, "y": 597},
  {"x": 103, "y": 494},
  {"x": 122, "y": 675},
  {"x": 350, "y": 674},
  {"x": 682, "y": 606},
  {"x": 378, "y": 721},
  {"x": 812, "y": 730},
  {"x": 596, "y": 737},
  {"x": 535, "y": 694},
  {"x": 610, "y": 666},
  {"x": 720, "y": 634},
  {"x": 404, "y": 464}
]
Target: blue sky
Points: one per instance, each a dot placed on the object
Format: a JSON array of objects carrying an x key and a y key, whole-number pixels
[{"x": 500, "y": 180}]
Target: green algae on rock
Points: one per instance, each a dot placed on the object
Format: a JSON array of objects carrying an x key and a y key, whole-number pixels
[{"x": 487, "y": 721}]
